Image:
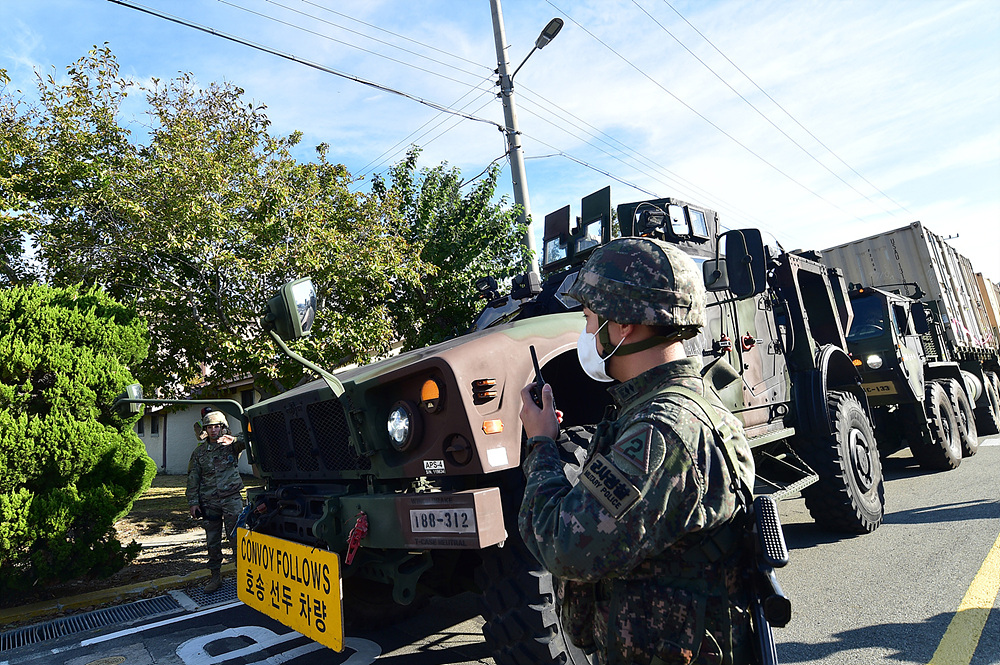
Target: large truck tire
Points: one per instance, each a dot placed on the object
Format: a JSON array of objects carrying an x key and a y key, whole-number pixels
[
  {"x": 943, "y": 450},
  {"x": 850, "y": 494},
  {"x": 964, "y": 414},
  {"x": 518, "y": 601},
  {"x": 987, "y": 408},
  {"x": 519, "y": 608}
]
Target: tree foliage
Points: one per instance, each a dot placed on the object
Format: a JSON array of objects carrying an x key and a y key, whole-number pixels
[
  {"x": 463, "y": 237},
  {"x": 69, "y": 466},
  {"x": 198, "y": 215}
]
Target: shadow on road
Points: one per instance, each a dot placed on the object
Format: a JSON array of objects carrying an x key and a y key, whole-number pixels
[
  {"x": 949, "y": 512},
  {"x": 456, "y": 637},
  {"x": 903, "y": 642}
]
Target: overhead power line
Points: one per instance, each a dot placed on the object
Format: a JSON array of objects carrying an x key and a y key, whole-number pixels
[
  {"x": 307, "y": 63},
  {"x": 701, "y": 115},
  {"x": 275, "y": 19},
  {"x": 621, "y": 152},
  {"x": 394, "y": 34},
  {"x": 751, "y": 104},
  {"x": 784, "y": 110}
]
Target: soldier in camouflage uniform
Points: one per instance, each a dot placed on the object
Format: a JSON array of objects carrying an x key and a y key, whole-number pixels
[
  {"x": 647, "y": 544},
  {"x": 215, "y": 489}
]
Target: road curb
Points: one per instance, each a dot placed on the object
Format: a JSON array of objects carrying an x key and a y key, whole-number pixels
[{"x": 105, "y": 596}]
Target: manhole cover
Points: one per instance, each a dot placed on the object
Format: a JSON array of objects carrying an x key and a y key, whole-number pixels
[{"x": 109, "y": 660}]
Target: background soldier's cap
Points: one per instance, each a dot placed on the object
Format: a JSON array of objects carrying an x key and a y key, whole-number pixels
[{"x": 642, "y": 280}]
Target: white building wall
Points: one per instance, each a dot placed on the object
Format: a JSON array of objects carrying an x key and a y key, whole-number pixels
[{"x": 171, "y": 447}]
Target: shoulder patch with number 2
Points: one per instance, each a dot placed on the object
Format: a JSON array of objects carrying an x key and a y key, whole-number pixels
[{"x": 633, "y": 446}]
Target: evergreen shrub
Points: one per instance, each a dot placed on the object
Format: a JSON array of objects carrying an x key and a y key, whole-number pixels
[{"x": 70, "y": 467}]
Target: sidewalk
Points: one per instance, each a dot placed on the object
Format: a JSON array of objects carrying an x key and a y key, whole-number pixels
[{"x": 116, "y": 594}]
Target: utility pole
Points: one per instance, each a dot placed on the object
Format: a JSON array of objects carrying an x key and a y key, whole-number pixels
[{"x": 513, "y": 133}]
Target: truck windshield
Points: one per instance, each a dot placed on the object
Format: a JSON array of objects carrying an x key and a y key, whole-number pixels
[{"x": 870, "y": 319}]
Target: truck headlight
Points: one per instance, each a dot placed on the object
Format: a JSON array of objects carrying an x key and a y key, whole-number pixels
[
  {"x": 403, "y": 425},
  {"x": 874, "y": 361}
]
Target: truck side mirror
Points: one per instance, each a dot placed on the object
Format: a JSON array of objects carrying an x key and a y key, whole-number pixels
[
  {"x": 716, "y": 275},
  {"x": 919, "y": 318},
  {"x": 129, "y": 409},
  {"x": 292, "y": 310},
  {"x": 745, "y": 262}
]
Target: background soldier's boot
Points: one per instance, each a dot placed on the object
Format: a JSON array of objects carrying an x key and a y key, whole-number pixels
[{"x": 214, "y": 583}]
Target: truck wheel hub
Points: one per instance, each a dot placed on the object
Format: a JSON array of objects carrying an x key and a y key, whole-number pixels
[{"x": 861, "y": 459}]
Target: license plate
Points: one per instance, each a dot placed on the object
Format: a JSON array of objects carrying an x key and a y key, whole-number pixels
[
  {"x": 880, "y": 388},
  {"x": 443, "y": 520},
  {"x": 298, "y": 586}
]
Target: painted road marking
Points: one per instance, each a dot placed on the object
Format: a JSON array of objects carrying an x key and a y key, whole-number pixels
[
  {"x": 195, "y": 651},
  {"x": 165, "y": 622},
  {"x": 959, "y": 642}
]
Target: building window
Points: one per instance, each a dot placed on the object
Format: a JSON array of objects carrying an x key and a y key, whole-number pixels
[
  {"x": 246, "y": 398},
  {"x": 139, "y": 427},
  {"x": 154, "y": 425}
]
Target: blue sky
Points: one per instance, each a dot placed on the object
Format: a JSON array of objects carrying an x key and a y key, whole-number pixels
[{"x": 820, "y": 122}]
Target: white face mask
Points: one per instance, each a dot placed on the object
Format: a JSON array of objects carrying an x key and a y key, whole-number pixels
[{"x": 590, "y": 360}]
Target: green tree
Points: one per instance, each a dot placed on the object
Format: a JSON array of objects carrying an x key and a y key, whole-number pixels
[
  {"x": 199, "y": 214},
  {"x": 198, "y": 221},
  {"x": 69, "y": 466},
  {"x": 463, "y": 236},
  {"x": 14, "y": 223}
]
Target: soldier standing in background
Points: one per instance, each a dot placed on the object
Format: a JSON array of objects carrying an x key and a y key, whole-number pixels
[
  {"x": 647, "y": 544},
  {"x": 215, "y": 488}
]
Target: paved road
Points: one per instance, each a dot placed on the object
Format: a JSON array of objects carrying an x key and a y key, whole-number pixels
[{"x": 888, "y": 597}]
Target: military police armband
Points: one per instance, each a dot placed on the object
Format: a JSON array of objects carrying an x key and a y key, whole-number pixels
[{"x": 612, "y": 488}]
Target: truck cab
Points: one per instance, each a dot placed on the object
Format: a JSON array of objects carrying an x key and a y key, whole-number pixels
[
  {"x": 885, "y": 342},
  {"x": 917, "y": 400}
]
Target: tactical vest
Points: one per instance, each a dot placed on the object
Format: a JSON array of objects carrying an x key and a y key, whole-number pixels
[{"x": 699, "y": 566}]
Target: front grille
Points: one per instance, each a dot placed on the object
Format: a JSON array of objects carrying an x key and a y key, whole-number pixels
[
  {"x": 305, "y": 454},
  {"x": 307, "y": 447},
  {"x": 269, "y": 433},
  {"x": 329, "y": 426}
]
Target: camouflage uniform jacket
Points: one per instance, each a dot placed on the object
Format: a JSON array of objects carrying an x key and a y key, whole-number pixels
[
  {"x": 655, "y": 483},
  {"x": 213, "y": 472}
]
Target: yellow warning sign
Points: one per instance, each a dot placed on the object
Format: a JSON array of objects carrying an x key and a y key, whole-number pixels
[{"x": 296, "y": 585}]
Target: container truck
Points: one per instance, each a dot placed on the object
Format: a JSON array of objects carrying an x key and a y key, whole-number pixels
[{"x": 925, "y": 340}]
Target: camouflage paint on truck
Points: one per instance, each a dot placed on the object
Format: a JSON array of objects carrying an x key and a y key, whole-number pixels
[{"x": 409, "y": 468}]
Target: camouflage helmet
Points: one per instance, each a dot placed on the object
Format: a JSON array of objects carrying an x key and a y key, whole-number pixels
[
  {"x": 642, "y": 280},
  {"x": 215, "y": 418}
]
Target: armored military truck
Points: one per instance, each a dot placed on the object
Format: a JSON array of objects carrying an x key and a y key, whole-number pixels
[{"x": 408, "y": 468}]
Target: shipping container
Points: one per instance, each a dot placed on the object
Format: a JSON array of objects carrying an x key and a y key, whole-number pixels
[{"x": 991, "y": 298}]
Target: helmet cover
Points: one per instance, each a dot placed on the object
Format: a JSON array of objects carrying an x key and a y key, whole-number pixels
[
  {"x": 215, "y": 418},
  {"x": 642, "y": 280}
]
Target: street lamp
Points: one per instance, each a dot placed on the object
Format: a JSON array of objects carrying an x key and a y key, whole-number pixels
[
  {"x": 547, "y": 35},
  {"x": 513, "y": 134}
]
